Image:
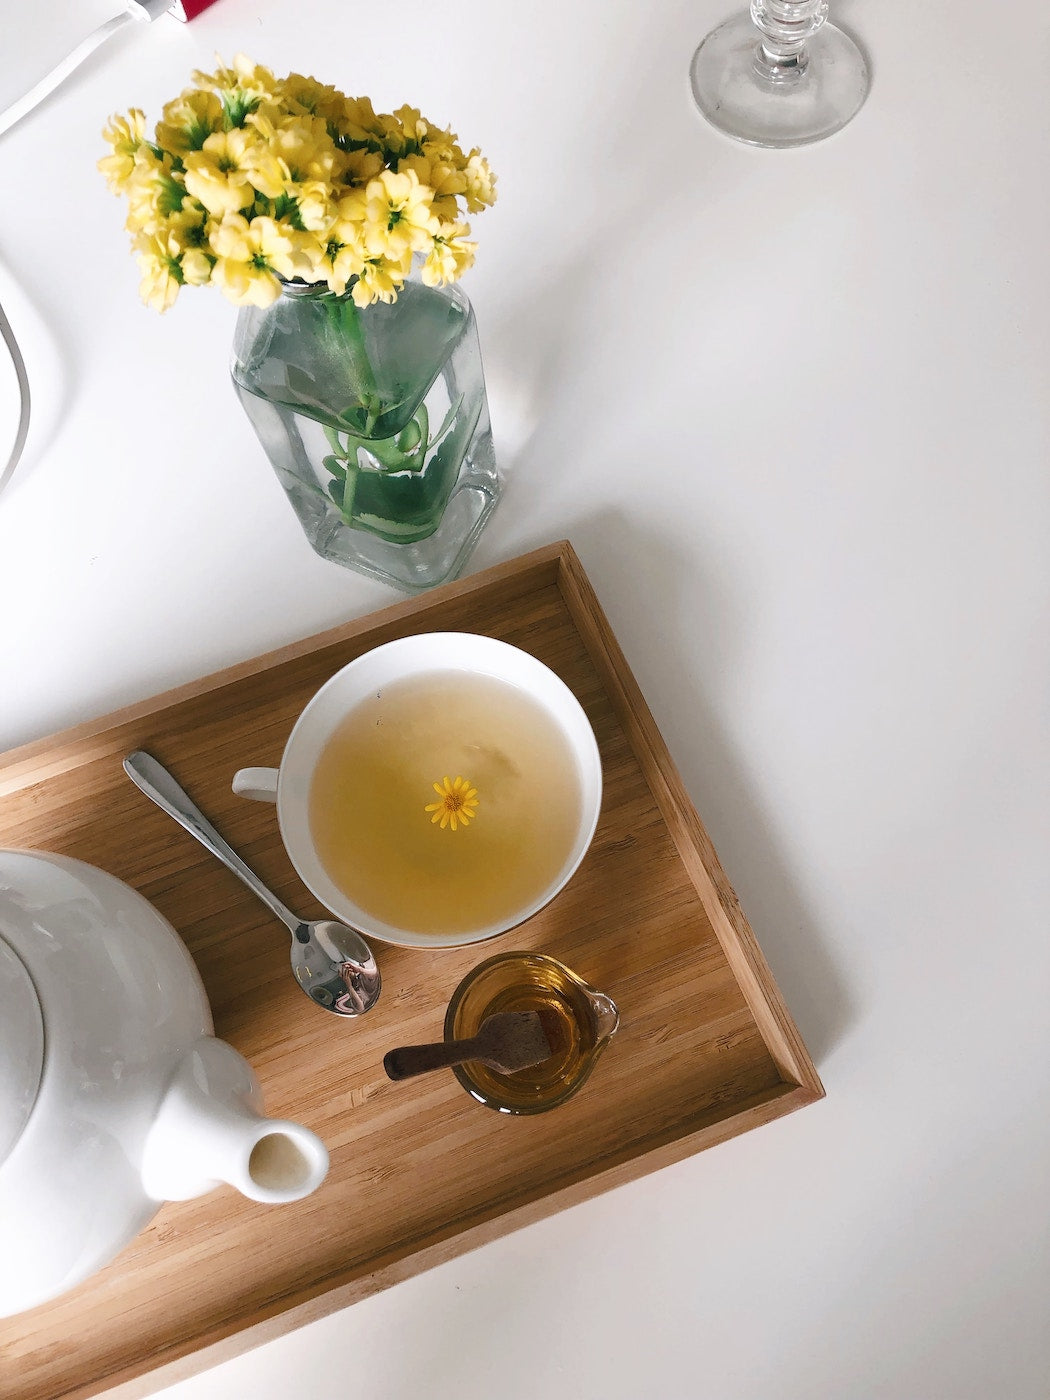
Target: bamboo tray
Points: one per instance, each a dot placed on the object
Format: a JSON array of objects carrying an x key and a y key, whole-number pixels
[{"x": 420, "y": 1172}]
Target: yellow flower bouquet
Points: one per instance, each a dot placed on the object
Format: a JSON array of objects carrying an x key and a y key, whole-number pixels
[
  {"x": 339, "y": 232},
  {"x": 251, "y": 181}
]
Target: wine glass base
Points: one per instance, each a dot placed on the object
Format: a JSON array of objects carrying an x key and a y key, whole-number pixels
[{"x": 731, "y": 92}]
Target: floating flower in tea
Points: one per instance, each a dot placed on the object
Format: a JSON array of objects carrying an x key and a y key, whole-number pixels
[{"x": 457, "y": 806}]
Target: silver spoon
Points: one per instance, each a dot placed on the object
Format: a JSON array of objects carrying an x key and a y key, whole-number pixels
[{"x": 331, "y": 961}]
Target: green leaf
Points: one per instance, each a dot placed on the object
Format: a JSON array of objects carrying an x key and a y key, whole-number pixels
[{"x": 410, "y": 437}]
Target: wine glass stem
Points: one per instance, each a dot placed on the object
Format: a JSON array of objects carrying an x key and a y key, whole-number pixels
[{"x": 784, "y": 27}]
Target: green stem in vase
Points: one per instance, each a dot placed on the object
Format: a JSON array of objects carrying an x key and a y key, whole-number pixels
[
  {"x": 353, "y": 448},
  {"x": 344, "y": 326}
]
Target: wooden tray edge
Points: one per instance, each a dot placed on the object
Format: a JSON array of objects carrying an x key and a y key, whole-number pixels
[
  {"x": 738, "y": 941},
  {"x": 458, "y": 1238},
  {"x": 48, "y": 756}
]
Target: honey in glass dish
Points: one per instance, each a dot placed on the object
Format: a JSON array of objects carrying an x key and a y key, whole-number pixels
[
  {"x": 446, "y": 803},
  {"x": 577, "y": 1019}
]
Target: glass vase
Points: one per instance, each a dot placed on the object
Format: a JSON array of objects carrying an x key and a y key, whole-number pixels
[{"x": 376, "y": 422}]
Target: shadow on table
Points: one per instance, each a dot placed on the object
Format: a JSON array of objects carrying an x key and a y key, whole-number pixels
[{"x": 654, "y": 593}]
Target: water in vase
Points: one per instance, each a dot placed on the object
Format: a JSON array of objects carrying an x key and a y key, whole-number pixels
[{"x": 376, "y": 422}]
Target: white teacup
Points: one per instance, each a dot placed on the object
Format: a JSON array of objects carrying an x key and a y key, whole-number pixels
[{"x": 426, "y": 654}]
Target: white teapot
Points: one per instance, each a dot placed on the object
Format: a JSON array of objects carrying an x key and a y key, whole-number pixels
[{"x": 114, "y": 1096}]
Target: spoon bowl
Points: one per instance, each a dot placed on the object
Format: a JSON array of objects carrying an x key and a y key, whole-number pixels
[{"x": 335, "y": 967}]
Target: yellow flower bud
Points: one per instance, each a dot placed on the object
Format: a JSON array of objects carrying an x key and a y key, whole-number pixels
[
  {"x": 481, "y": 183},
  {"x": 125, "y": 136}
]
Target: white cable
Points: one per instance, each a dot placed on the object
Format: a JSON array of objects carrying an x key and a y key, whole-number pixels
[
  {"x": 147, "y": 10},
  {"x": 23, "y": 398},
  {"x": 59, "y": 74}
]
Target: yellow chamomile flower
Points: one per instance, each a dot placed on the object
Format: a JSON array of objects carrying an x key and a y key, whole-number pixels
[
  {"x": 189, "y": 121},
  {"x": 124, "y": 135},
  {"x": 252, "y": 259},
  {"x": 449, "y": 257},
  {"x": 457, "y": 804},
  {"x": 398, "y": 217},
  {"x": 219, "y": 173}
]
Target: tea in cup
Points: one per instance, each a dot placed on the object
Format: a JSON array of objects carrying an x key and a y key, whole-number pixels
[{"x": 438, "y": 790}]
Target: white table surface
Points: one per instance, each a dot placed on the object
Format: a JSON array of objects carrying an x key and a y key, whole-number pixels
[{"x": 791, "y": 408}]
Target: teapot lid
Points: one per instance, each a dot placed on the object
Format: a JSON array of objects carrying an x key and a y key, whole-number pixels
[{"x": 21, "y": 1047}]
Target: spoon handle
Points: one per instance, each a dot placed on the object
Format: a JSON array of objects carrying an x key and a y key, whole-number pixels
[
  {"x": 158, "y": 785},
  {"x": 409, "y": 1060}
]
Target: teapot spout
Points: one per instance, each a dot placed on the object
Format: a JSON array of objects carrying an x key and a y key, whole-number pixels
[{"x": 209, "y": 1129}]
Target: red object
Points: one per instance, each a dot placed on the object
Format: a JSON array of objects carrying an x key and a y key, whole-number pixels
[{"x": 190, "y": 9}]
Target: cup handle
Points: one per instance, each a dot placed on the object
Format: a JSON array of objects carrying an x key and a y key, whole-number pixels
[{"x": 260, "y": 784}]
